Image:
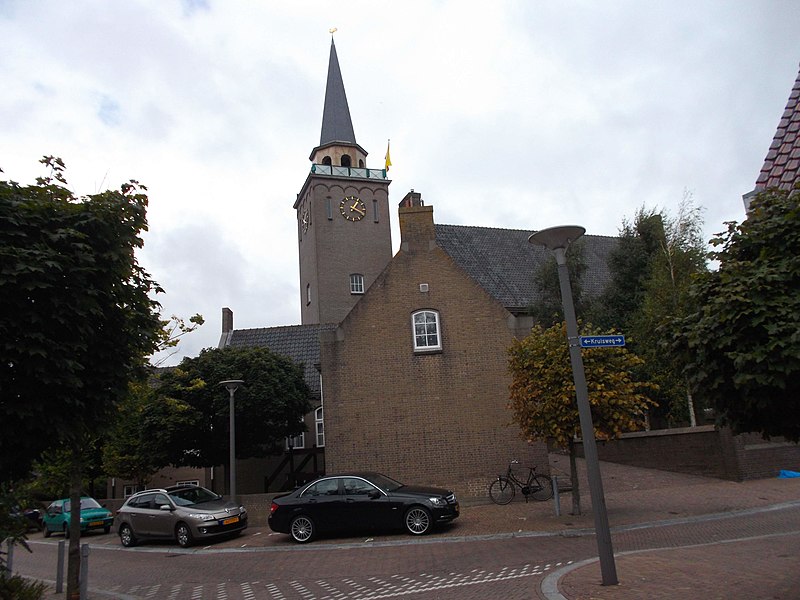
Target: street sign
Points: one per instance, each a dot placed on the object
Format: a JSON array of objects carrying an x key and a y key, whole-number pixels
[{"x": 602, "y": 341}]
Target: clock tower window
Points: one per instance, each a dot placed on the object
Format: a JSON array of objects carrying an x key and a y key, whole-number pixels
[
  {"x": 326, "y": 161},
  {"x": 346, "y": 160}
]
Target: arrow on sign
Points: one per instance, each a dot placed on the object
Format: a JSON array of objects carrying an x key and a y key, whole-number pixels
[{"x": 602, "y": 341}]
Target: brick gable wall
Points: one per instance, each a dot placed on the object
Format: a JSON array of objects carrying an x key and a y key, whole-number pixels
[{"x": 440, "y": 418}]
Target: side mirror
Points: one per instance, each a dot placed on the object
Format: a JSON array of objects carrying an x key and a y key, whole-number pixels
[
  {"x": 374, "y": 495},
  {"x": 165, "y": 507}
]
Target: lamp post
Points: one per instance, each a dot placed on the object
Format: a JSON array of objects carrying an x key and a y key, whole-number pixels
[
  {"x": 231, "y": 385},
  {"x": 558, "y": 239}
]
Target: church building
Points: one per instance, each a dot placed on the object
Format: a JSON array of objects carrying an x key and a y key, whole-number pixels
[{"x": 405, "y": 355}]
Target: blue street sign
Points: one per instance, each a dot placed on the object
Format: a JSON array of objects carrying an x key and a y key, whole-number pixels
[{"x": 602, "y": 341}]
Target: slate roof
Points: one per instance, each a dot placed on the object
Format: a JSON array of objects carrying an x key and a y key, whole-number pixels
[
  {"x": 297, "y": 342},
  {"x": 782, "y": 165},
  {"x": 504, "y": 263},
  {"x": 336, "y": 123}
]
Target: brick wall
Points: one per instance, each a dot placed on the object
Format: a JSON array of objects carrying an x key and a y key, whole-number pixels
[
  {"x": 703, "y": 450},
  {"x": 436, "y": 418}
]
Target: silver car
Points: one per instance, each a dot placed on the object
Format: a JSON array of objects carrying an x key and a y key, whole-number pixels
[{"x": 185, "y": 513}]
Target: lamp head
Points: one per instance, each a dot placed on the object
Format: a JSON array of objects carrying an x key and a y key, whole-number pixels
[
  {"x": 554, "y": 238},
  {"x": 231, "y": 384}
]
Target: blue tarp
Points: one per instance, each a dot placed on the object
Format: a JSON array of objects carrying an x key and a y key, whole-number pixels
[{"x": 784, "y": 474}]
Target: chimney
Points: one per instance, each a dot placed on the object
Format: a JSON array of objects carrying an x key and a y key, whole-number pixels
[
  {"x": 227, "y": 320},
  {"x": 227, "y": 328},
  {"x": 417, "y": 232}
]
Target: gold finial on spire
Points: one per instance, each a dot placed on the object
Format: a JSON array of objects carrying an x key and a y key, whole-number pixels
[{"x": 332, "y": 30}]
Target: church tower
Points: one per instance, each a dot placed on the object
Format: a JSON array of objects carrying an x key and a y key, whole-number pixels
[{"x": 343, "y": 230}]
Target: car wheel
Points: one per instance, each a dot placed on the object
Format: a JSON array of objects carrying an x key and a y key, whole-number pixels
[
  {"x": 418, "y": 520},
  {"x": 183, "y": 535},
  {"x": 126, "y": 537},
  {"x": 302, "y": 529},
  {"x": 46, "y": 531}
]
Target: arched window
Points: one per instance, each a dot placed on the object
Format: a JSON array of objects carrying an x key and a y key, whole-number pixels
[
  {"x": 360, "y": 163},
  {"x": 326, "y": 160},
  {"x": 346, "y": 160},
  {"x": 427, "y": 337}
]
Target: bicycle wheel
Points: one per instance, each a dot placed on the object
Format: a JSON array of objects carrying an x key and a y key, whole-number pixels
[
  {"x": 501, "y": 491},
  {"x": 542, "y": 488}
]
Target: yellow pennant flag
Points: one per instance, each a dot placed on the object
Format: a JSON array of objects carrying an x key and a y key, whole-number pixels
[{"x": 388, "y": 158}]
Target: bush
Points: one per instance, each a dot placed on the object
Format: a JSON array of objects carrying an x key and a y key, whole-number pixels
[{"x": 14, "y": 587}]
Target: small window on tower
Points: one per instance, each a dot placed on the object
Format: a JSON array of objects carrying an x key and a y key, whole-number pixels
[
  {"x": 345, "y": 160},
  {"x": 356, "y": 283},
  {"x": 375, "y": 211},
  {"x": 326, "y": 160},
  {"x": 308, "y": 293}
]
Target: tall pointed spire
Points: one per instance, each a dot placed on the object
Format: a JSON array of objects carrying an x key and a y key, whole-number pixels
[{"x": 336, "y": 123}]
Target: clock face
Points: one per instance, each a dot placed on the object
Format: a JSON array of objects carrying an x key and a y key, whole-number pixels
[{"x": 352, "y": 208}]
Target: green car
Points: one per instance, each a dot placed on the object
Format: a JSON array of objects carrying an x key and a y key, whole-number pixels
[{"x": 93, "y": 516}]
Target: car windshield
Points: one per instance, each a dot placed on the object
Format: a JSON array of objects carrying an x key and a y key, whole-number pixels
[
  {"x": 85, "y": 504},
  {"x": 387, "y": 484},
  {"x": 192, "y": 495}
]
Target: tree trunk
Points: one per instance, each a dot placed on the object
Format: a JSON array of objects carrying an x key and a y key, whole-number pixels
[
  {"x": 573, "y": 473},
  {"x": 74, "y": 552},
  {"x": 690, "y": 402}
]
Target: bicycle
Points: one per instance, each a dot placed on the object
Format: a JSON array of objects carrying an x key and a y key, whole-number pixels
[{"x": 503, "y": 489}]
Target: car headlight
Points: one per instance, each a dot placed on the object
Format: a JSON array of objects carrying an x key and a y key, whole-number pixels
[
  {"x": 438, "y": 501},
  {"x": 201, "y": 516}
]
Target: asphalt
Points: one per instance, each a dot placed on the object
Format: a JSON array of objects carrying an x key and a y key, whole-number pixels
[{"x": 674, "y": 535}]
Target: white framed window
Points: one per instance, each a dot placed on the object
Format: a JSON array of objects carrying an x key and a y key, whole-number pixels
[
  {"x": 129, "y": 490},
  {"x": 298, "y": 442},
  {"x": 188, "y": 482},
  {"x": 426, "y": 330},
  {"x": 319, "y": 426},
  {"x": 356, "y": 283}
]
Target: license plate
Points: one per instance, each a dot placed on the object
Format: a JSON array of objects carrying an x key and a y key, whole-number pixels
[
  {"x": 230, "y": 520},
  {"x": 96, "y": 524}
]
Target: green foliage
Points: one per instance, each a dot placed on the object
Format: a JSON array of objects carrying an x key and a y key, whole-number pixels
[
  {"x": 76, "y": 317},
  {"x": 172, "y": 330},
  {"x": 542, "y": 391},
  {"x": 742, "y": 341},
  {"x": 652, "y": 269},
  {"x": 548, "y": 310},
  {"x": 145, "y": 432},
  {"x": 19, "y": 588},
  {"x": 269, "y": 406}
]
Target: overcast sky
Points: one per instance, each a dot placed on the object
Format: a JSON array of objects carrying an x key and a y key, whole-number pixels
[{"x": 520, "y": 115}]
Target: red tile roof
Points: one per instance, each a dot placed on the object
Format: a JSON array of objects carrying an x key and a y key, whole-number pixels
[{"x": 782, "y": 165}]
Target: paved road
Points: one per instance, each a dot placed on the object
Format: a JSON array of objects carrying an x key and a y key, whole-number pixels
[{"x": 446, "y": 567}]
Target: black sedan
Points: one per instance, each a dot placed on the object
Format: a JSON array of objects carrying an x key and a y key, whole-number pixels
[{"x": 359, "y": 501}]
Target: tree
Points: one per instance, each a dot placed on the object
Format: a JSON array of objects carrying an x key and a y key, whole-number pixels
[
  {"x": 269, "y": 406},
  {"x": 743, "y": 339},
  {"x": 76, "y": 319},
  {"x": 652, "y": 268},
  {"x": 144, "y": 431},
  {"x": 542, "y": 392},
  {"x": 548, "y": 311}
]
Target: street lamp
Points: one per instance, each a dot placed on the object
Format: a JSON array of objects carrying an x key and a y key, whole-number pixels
[
  {"x": 558, "y": 239},
  {"x": 231, "y": 385}
]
